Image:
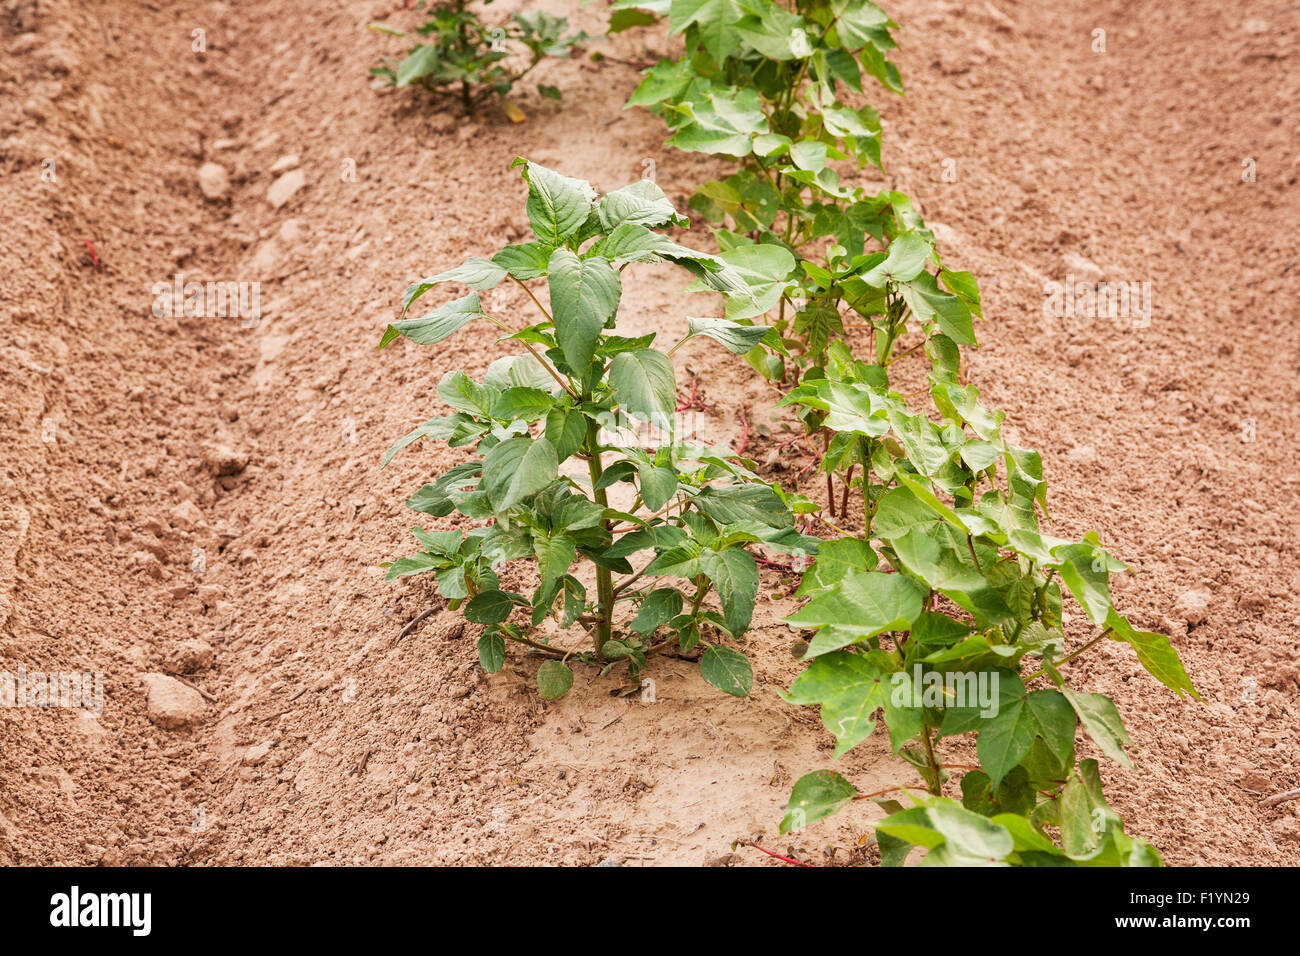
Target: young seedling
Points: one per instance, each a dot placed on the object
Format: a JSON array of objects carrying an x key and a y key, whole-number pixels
[
  {"x": 457, "y": 54},
  {"x": 562, "y": 478}
]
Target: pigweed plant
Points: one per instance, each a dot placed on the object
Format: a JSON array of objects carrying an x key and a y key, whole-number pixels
[
  {"x": 456, "y": 54},
  {"x": 557, "y": 478}
]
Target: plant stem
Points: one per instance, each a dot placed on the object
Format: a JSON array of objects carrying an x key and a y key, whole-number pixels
[
  {"x": 604, "y": 579},
  {"x": 701, "y": 588},
  {"x": 555, "y": 652},
  {"x": 866, "y": 498},
  {"x": 537, "y": 303},
  {"x": 936, "y": 788},
  {"x": 1068, "y": 657},
  {"x": 836, "y": 528},
  {"x": 533, "y": 352}
]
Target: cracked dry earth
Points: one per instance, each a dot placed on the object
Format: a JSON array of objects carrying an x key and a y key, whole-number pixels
[{"x": 192, "y": 507}]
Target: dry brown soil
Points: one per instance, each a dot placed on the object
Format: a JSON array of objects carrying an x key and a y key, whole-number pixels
[{"x": 130, "y": 444}]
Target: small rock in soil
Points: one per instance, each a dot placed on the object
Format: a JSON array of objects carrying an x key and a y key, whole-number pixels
[
  {"x": 1192, "y": 607},
  {"x": 224, "y": 460},
  {"x": 192, "y": 655},
  {"x": 1254, "y": 601},
  {"x": 214, "y": 181},
  {"x": 173, "y": 705},
  {"x": 284, "y": 162},
  {"x": 186, "y": 516},
  {"x": 256, "y": 755},
  {"x": 282, "y": 189}
]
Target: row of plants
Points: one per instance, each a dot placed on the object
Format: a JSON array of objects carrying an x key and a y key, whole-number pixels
[{"x": 941, "y": 611}]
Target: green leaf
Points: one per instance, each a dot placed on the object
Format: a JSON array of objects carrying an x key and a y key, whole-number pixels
[
  {"x": 518, "y": 467},
  {"x": 835, "y": 559},
  {"x": 557, "y": 205},
  {"x": 658, "y": 485},
  {"x": 727, "y": 669},
  {"x": 968, "y": 838},
  {"x": 764, "y": 270},
  {"x": 1155, "y": 653},
  {"x": 415, "y": 564},
  {"x": 438, "y": 324},
  {"x": 722, "y": 124},
  {"x": 929, "y": 304},
  {"x": 444, "y": 543},
  {"x": 738, "y": 339},
  {"x": 1085, "y": 815},
  {"x": 439, "y": 429},
  {"x": 492, "y": 652},
  {"x": 668, "y": 80},
  {"x": 816, "y": 796},
  {"x": 641, "y": 203},
  {"x": 906, "y": 258},
  {"x": 717, "y": 20},
  {"x": 621, "y": 20},
  {"x": 491, "y": 607},
  {"x": 1087, "y": 579},
  {"x": 859, "y": 23},
  {"x": 732, "y": 504},
  {"x": 529, "y": 260},
  {"x": 864, "y": 603},
  {"x": 771, "y": 32},
  {"x": 523, "y": 404},
  {"x": 553, "y": 680},
  {"x": 554, "y": 555},
  {"x": 466, "y": 395},
  {"x": 575, "y": 600},
  {"x": 851, "y": 688},
  {"x": 422, "y": 61},
  {"x": 1012, "y": 795},
  {"x": 734, "y": 574},
  {"x": 584, "y": 296},
  {"x": 1102, "y": 722},
  {"x": 566, "y": 429},
  {"x": 645, "y": 385},
  {"x": 477, "y": 273},
  {"x": 1054, "y": 720},
  {"x": 660, "y": 606}
]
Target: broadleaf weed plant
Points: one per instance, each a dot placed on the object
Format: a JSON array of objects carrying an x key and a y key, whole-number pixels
[{"x": 553, "y": 436}]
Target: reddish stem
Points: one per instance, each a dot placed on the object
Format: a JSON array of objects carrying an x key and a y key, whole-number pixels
[
  {"x": 783, "y": 859},
  {"x": 690, "y": 401}
]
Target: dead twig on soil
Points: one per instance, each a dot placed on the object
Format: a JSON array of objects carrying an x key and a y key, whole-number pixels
[
  {"x": 414, "y": 622},
  {"x": 1282, "y": 797},
  {"x": 193, "y": 686}
]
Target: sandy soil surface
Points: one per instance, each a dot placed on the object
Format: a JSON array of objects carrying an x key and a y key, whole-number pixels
[{"x": 199, "y": 499}]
